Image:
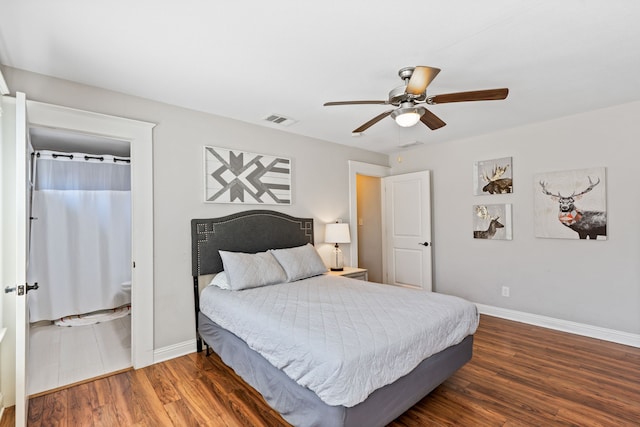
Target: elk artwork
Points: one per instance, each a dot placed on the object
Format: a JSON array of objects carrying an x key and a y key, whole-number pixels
[
  {"x": 589, "y": 224},
  {"x": 489, "y": 232},
  {"x": 496, "y": 184}
]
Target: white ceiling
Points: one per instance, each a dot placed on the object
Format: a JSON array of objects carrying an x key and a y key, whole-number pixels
[
  {"x": 249, "y": 59},
  {"x": 43, "y": 138}
]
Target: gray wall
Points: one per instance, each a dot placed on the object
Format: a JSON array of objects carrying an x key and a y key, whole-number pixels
[
  {"x": 320, "y": 180},
  {"x": 589, "y": 282}
]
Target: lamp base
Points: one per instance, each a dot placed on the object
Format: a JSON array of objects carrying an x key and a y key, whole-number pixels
[{"x": 337, "y": 269}]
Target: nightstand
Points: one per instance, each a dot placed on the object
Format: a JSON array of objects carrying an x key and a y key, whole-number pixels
[{"x": 352, "y": 272}]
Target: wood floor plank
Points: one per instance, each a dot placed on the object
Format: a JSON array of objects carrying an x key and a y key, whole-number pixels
[
  {"x": 8, "y": 417},
  {"x": 520, "y": 375},
  {"x": 163, "y": 381},
  {"x": 147, "y": 407},
  {"x": 54, "y": 411},
  {"x": 80, "y": 401},
  {"x": 36, "y": 406},
  {"x": 122, "y": 398}
]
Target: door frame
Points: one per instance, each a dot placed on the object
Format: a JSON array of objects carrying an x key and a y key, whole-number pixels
[
  {"x": 140, "y": 136},
  {"x": 360, "y": 168}
]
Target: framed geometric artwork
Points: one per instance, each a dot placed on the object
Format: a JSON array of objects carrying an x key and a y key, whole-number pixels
[
  {"x": 493, "y": 176},
  {"x": 492, "y": 222},
  {"x": 571, "y": 204},
  {"x": 233, "y": 176}
]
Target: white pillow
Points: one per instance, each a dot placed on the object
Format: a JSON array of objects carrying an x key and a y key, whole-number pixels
[
  {"x": 246, "y": 271},
  {"x": 220, "y": 280},
  {"x": 300, "y": 262}
]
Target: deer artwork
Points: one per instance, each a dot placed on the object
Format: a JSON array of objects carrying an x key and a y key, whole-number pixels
[
  {"x": 496, "y": 184},
  {"x": 489, "y": 232},
  {"x": 586, "y": 223}
]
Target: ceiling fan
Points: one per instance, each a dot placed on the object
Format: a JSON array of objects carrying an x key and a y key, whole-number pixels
[{"x": 409, "y": 97}]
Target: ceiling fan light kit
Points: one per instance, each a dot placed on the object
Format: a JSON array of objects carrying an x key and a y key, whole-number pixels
[
  {"x": 407, "y": 116},
  {"x": 414, "y": 92}
]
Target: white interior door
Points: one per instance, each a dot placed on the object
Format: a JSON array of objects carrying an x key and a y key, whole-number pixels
[
  {"x": 22, "y": 249},
  {"x": 407, "y": 237}
]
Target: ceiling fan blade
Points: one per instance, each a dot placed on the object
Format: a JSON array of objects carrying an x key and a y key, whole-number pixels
[
  {"x": 420, "y": 79},
  {"x": 431, "y": 120},
  {"x": 372, "y": 122},
  {"x": 475, "y": 95},
  {"x": 327, "y": 104}
]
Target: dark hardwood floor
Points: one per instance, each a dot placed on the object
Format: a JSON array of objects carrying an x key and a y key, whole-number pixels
[{"x": 520, "y": 375}]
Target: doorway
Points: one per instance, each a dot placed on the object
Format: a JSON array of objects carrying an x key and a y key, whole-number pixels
[
  {"x": 140, "y": 136},
  {"x": 369, "y": 226},
  {"x": 80, "y": 256},
  {"x": 409, "y": 195},
  {"x": 368, "y": 175}
]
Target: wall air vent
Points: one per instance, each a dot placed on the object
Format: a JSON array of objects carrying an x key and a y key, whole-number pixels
[{"x": 279, "y": 120}]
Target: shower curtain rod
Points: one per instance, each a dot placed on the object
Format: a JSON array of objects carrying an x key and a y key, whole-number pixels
[{"x": 86, "y": 157}]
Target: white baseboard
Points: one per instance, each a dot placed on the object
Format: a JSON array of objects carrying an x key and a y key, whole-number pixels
[
  {"x": 597, "y": 332},
  {"x": 173, "y": 351}
]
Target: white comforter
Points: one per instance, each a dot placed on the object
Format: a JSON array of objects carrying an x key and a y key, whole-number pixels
[{"x": 342, "y": 338}]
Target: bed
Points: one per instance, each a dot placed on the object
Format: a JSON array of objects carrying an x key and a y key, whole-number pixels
[{"x": 324, "y": 375}]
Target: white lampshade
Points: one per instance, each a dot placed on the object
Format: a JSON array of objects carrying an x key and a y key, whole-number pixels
[{"x": 337, "y": 233}]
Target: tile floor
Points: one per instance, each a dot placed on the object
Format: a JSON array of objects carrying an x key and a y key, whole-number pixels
[{"x": 60, "y": 355}]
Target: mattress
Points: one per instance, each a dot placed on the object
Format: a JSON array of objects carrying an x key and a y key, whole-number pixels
[
  {"x": 341, "y": 338},
  {"x": 302, "y": 408}
]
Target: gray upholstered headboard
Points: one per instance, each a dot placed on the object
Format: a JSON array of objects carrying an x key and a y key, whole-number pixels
[{"x": 250, "y": 231}]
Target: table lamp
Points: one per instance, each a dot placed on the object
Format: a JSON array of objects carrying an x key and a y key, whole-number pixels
[{"x": 337, "y": 233}]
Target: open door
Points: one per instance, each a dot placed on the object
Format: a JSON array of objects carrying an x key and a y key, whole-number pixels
[
  {"x": 407, "y": 238},
  {"x": 22, "y": 250}
]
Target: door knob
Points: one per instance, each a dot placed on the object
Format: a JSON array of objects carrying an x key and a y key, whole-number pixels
[
  {"x": 424, "y": 243},
  {"x": 20, "y": 288}
]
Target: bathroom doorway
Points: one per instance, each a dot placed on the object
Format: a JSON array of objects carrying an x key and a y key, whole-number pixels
[{"x": 81, "y": 316}]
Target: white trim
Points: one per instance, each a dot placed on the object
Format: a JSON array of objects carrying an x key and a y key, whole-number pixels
[
  {"x": 174, "y": 350},
  {"x": 4, "y": 89},
  {"x": 591, "y": 331},
  {"x": 359, "y": 168},
  {"x": 140, "y": 136}
]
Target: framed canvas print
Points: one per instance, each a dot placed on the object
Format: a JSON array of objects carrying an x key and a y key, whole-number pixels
[
  {"x": 492, "y": 222},
  {"x": 493, "y": 176},
  {"x": 233, "y": 176},
  {"x": 571, "y": 204}
]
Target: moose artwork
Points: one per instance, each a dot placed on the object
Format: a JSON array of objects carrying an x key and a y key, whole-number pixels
[
  {"x": 571, "y": 204},
  {"x": 493, "y": 176},
  {"x": 492, "y": 222}
]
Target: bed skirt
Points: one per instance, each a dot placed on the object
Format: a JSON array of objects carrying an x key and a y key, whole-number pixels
[{"x": 302, "y": 407}]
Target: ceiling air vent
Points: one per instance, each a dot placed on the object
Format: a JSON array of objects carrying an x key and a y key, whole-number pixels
[
  {"x": 279, "y": 120},
  {"x": 412, "y": 144}
]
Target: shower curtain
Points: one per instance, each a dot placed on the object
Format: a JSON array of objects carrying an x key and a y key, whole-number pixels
[{"x": 80, "y": 234}]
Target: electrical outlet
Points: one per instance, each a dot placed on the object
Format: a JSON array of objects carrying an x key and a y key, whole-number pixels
[{"x": 505, "y": 291}]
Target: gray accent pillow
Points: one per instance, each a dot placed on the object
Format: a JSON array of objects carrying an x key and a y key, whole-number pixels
[
  {"x": 300, "y": 262},
  {"x": 246, "y": 271}
]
